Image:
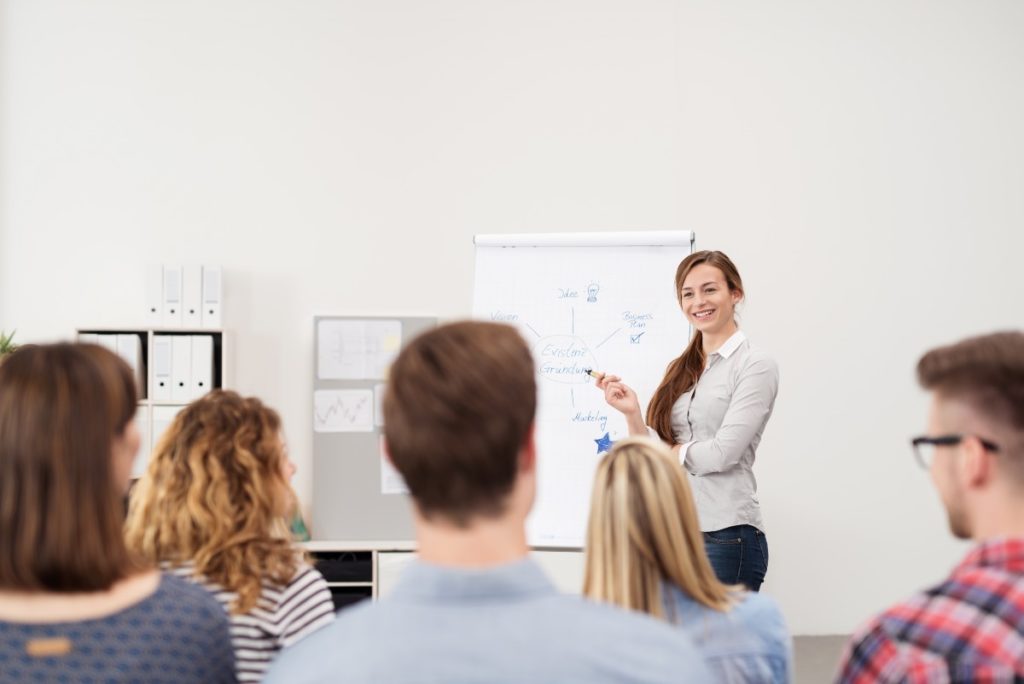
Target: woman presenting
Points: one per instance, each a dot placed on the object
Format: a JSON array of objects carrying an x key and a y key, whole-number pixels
[{"x": 712, "y": 407}]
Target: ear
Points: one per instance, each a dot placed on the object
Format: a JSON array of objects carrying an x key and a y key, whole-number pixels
[
  {"x": 528, "y": 454},
  {"x": 978, "y": 467}
]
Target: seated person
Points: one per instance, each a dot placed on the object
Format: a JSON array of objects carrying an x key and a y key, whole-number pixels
[
  {"x": 645, "y": 552},
  {"x": 214, "y": 507},
  {"x": 458, "y": 423},
  {"x": 75, "y": 604},
  {"x": 970, "y": 627}
]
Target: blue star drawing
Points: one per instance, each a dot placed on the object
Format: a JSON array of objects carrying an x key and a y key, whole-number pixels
[{"x": 604, "y": 443}]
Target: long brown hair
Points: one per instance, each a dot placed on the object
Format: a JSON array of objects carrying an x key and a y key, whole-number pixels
[
  {"x": 682, "y": 373},
  {"x": 643, "y": 532},
  {"x": 215, "y": 495},
  {"x": 61, "y": 510}
]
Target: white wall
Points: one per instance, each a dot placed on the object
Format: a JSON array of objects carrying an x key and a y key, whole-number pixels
[{"x": 861, "y": 162}]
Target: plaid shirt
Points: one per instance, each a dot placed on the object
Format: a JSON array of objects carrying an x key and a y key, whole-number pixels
[{"x": 970, "y": 628}]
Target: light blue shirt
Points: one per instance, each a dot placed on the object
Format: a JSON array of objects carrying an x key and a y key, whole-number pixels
[
  {"x": 506, "y": 624},
  {"x": 749, "y": 643}
]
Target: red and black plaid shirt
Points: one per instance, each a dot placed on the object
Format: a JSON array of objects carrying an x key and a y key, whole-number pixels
[{"x": 970, "y": 628}]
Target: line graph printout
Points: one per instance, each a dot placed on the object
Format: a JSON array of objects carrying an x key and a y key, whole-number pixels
[
  {"x": 602, "y": 301},
  {"x": 343, "y": 410}
]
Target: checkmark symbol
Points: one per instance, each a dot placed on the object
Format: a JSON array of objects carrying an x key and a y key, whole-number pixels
[{"x": 635, "y": 339}]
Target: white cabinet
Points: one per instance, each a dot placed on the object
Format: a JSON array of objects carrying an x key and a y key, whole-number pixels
[{"x": 173, "y": 367}]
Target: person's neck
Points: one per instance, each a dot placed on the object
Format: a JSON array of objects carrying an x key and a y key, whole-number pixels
[
  {"x": 713, "y": 341},
  {"x": 49, "y": 606},
  {"x": 485, "y": 542},
  {"x": 999, "y": 517}
]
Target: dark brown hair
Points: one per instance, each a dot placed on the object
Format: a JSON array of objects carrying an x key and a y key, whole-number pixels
[
  {"x": 987, "y": 373},
  {"x": 459, "y": 406},
  {"x": 682, "y": 373},
  {"x": 214, "y": 494},
  {"x": 61, "y": 511}
]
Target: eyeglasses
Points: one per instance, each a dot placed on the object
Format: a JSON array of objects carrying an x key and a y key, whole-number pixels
[{"x": 924, "y": 447}]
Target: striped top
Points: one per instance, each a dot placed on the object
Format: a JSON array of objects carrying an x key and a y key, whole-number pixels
[{"x": 282, "y": 616}]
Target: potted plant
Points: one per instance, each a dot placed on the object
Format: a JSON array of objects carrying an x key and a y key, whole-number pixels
[{"x": 7, "y": 343}]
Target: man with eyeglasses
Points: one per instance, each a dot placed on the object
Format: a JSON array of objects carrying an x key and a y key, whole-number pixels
[{"x": 970, "y": 628}]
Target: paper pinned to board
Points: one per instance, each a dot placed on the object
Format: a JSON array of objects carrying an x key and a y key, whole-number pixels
[
  {"x": 357, "y": 349},
  {"x": 343, "y": 411},
  {"x": 391, "y": 481},
  {"x": 378, "y": 414}
]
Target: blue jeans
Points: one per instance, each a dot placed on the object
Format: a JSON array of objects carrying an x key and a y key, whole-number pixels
[{"x": 738, "y": 555}]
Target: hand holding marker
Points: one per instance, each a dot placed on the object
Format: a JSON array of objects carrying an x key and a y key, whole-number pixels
[{"x": 618, "y": 395}]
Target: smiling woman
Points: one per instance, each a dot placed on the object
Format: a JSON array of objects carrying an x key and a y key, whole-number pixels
[{"x": 712, "y": 407}]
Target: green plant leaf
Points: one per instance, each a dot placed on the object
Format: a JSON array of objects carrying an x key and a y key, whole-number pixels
[{"x": 7, "y": 342}]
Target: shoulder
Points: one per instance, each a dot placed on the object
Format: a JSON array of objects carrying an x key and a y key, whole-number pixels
[
  {"x": 762, "y": 615},
  {"x": 606, "y": 643},
  {"x": 306, "y": 579},
  {"x": 189, "y": 606},
  {"x": 754, "y": 357},
  {"x": 638, "y": 642},
  {"x": 177, "y": 590},
  {"x": 883, "y": 647},
  {"x": 307, "y": 590},
  {"x": 304, "y": 606},
  {"x": 330, "y": 649}
]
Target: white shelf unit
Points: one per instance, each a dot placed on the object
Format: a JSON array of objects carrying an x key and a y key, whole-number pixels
[
  {"x": 149, "y": 425},
  {"x": 371, "y": 569},
  {"x": 353, "y": 570}
]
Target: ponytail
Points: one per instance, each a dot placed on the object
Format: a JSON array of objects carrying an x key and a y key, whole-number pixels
[{"x": 680, "y": 376}]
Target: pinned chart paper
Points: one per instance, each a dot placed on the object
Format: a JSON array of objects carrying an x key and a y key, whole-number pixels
[
  {"x": 357, "y": 349},
  {"x": 343, "y": 411},
  {"x": 378, "y": 395},
  {"x": 391, "y": 481}
]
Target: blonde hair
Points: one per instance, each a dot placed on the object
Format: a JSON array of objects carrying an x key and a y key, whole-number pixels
[
  {"x": 215, "y": 494},
  {"x": 643, "y": 532}
]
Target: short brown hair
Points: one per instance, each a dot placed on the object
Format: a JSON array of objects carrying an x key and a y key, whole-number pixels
[
  {"x": 458, "y": 408},
  {"x": 986, "y": 372},
  {"x": 215, "y": 495},
  {"x": 61, "y": 512}
]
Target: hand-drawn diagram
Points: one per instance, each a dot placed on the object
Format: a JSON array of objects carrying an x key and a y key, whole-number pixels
[{"x": 608, "y": 308}]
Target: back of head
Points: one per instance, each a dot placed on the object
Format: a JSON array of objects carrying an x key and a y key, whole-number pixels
[
  {"x": 62, "y": 406},
  {"x": 458, "y": 409},
  {"x": 643, "y": 531},
  {"x": 215, "y": 494},
  {"x": 986, "y": 374}
]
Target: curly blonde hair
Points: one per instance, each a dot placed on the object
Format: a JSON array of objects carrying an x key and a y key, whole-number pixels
[{"x": 215, "y": 494}]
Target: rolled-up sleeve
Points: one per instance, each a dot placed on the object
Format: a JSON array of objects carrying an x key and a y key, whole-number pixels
[{"x": 749, "y": 409}]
